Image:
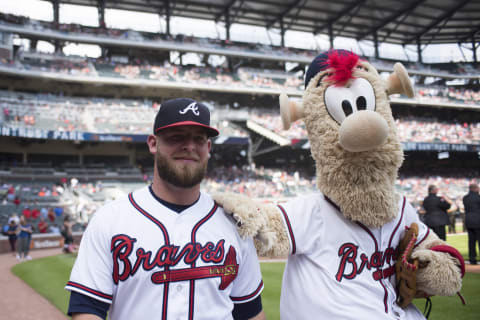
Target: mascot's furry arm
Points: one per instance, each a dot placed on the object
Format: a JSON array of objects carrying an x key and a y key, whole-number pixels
[
  {"x": 261, "y": 221},
  {"x": 441, "y": 268}
]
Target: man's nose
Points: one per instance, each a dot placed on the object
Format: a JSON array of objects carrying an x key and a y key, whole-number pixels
[{"x": 188, "y": 143}]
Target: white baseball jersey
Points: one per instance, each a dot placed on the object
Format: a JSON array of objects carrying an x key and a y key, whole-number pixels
[
  {"x": 149, "y": 262},
  {"x": 338, "y": 269}
]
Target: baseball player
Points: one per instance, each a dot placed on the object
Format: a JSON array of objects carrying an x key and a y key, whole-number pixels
[
  {"x": 363, "y": 274},
  {"x": 167, "y": 251}
]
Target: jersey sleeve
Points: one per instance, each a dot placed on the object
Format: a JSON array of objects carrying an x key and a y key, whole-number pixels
[
  {"x": 411, "y": 216},
  {"x": 248, "y": 284},
  {"x": 303, "y": 221},
  {"x": 92, "y": 272}
]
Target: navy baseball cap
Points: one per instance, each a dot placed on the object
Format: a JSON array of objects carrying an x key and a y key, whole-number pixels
[
  {"x": 183, "y": 112},
  {"x": 320, "y": 63}
]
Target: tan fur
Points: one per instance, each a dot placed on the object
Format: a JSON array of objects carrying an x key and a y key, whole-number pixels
[
  {"x": 442, "y": 275},
  {"x": 281, "y": 246},
  {"x": 360, "y": 183},
  {"x": 263, "y": 222}
]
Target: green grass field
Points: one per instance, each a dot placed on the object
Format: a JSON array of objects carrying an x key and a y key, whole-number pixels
[{"x": 48, "y": 277}]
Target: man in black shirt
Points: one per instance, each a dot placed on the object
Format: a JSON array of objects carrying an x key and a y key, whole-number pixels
[
  {"x": 436, "y": 216},
  {"x": 471, "y": 202}
]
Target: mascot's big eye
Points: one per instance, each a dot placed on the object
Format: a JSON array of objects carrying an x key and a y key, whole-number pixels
[{"x": 342, "y": 101}]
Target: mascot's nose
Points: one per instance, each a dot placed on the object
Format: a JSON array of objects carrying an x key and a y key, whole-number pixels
[{"x": 362, "y": 131}]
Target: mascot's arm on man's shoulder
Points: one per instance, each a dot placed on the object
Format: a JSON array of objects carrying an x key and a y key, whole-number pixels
[
  {"x": 441, "y": 267},
  {"x": 261, "y": 221}
]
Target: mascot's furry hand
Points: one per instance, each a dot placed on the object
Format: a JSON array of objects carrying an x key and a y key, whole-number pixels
[
  {"x": 261, "y": 221},
  {"x": 441, "y": 268},
  {"x": 439, "y": 273}
]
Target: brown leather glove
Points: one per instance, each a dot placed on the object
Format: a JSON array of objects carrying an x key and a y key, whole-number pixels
[{"x": 406, "y": 267}]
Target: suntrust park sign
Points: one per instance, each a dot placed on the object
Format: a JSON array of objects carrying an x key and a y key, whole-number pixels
[
  {"x": 35, "y": 133},
  {"x": 433, "y": 146},
  {"x": 40, "y": 244}
]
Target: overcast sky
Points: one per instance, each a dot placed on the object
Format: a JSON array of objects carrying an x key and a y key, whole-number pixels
[{"x": 42, "y": 10}]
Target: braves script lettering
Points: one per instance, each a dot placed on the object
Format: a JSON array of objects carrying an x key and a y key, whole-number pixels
[
  {"x": 166, "y": 256},
  {"x": 349, "y": 260}
]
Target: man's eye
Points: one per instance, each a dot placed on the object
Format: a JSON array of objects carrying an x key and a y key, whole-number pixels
[
  {"x": 200, "y": 140},
  {"x": 176, "y": 138}
]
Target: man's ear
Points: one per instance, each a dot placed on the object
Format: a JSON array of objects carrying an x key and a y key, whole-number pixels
[
  {"x": 152, "y": 143},
  {"x": 209, "y": 145}
]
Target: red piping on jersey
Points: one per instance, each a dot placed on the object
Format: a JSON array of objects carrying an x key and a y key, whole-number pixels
[
  {"x": 290, "y": 230},
  {"x": 398, "y": 224},
  {"x": 167, "y": 242},
  {"x": 379, "y": 269},
  {"x": 90, "y": 290},
  {"x": 192, "y": 282},
  {"x": 251, "y": 295},
  {"x": 424, "y": 237}
]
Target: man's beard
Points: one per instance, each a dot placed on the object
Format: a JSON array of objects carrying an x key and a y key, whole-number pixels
[{"x": 182, "y": 176}]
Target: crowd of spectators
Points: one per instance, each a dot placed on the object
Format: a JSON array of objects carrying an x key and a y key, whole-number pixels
[
  {"x": 135, "y": 116},
  {"x": 38, "y": 205},
  {"x": 264, "y": 184},
  {"x": 103, "y": 31},
  {"x": 206, "y": 75},
  {"x": 213, "y": 43},
  {"x": 414, "y": 188},
  {"x": 430, "y": 131},
  {"x": 96, "y": 115},
  {"x": 408, "y": 129},
  {"x": 257, "y": 183},
  {"x": 277, "y": 184},
  {"x": 448, "y": 95}
]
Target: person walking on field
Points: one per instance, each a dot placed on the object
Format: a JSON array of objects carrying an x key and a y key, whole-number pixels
[
  {"x": 167, "y": 250},
  {"x": 471, "y": 202},
  {"x": 436, "y": 216}
]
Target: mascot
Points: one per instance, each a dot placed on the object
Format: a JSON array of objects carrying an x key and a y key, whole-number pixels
[{"x": 356, "y": 249}]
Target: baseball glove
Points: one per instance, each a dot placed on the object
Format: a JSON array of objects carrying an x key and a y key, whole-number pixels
[{"x": 406, "y": 267}]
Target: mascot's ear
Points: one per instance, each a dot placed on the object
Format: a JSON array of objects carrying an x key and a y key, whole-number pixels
[
  {"x": 399, "y": 82},
  {"x": 290, "y": 111}
]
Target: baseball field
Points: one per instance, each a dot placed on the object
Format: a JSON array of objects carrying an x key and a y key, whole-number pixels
[{"x": 49, "y": 275}]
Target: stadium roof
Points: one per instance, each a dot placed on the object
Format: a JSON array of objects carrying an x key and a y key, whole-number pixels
[{"x": 391, "y": 21}]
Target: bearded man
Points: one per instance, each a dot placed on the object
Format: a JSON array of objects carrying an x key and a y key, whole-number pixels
[{"x": 167, "y": 251}]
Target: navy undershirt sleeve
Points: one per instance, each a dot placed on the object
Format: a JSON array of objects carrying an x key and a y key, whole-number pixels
[
  {"x": 80, "y": 303},
  {"x": 247, "y": 310}
]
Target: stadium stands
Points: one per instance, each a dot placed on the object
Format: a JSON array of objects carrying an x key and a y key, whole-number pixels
[{"x": 92, "y": 171}]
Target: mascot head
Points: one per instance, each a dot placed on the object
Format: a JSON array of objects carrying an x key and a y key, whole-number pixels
[{"x": 352, "y": 133}]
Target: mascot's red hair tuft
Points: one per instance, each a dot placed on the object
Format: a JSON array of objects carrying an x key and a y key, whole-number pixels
[{"x": 343, "y": 62}]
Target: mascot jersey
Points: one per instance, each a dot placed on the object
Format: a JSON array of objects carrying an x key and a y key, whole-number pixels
[
  {"x": 339, "y": 269},
  {"x": 150, "y": 262}
]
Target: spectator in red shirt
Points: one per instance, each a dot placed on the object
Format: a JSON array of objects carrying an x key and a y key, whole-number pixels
[
  {"x": 35, "y": 213},
  {"x": 27, "y": 213},
  {"x": 51, "y": 215},
  {"x": 42, "y": 226}
]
